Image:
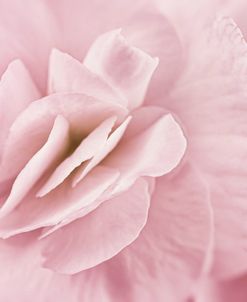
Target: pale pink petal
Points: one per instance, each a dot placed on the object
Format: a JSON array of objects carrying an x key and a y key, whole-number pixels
[
  {"x": 151, "y": 31},
  {"x": 23, "y": 278},
  {"x": 234, "y": 290},
  {"x": 213, "y": 111},
  {"x": 236, "y": 9},
  {"x": 154, "y": 151},
  {"x": 125, "y": 67},
  {"x": 49, "y": 155},
  {"x": 31, "y": 129},
  {"x": 66, "y": 74},
  {"x": 143, "y": 22},
  {"x": 13, "y": 101},
  {"x": 101, "y": 234},
  {"x": 171, "y": 252},
  {"x": 34, "y": 213},
  {"x": 85, "y": 151},
  {"x": 176, "y": 243},
  {"x": 99, "y": 17},
  {"x": 27, "y": 34},
  {"x": 101, "y": 153}
]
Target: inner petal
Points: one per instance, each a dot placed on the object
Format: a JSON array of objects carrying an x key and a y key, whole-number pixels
[
  {"x": 101, "y": 153},
  {"x": 86, "y": 150},
  {"x": 30, "y": 130}
]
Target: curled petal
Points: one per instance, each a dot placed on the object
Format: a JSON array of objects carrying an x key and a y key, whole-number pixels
[
  {"x": 127, "y": 68},
  {"x": 66, "y": 74}
]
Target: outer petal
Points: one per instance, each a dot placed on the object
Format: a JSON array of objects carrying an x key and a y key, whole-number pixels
[
  {"x": 31, "y": 129},
  {"x": 27, "y": 34},
  {"x": 47, "y": 157},
  {"x": 13, "y": 101},
  {"x": 228, "y": 291},
  {"x": 20, "y": 261},
  {"x": 214, "y": 110},
  {"x": 170, "y": 253},
  {"x": 101, "y": 234},
  {"x": 127, "y": 68},
  {"x": 236, "y": 9}
]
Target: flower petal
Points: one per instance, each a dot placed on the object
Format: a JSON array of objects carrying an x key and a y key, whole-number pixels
[
  {"x": 101, "y": 234},
  {"x": 150, "y": 30},
  {"x": 13, "y": 101},
  {"x": 49, "y": 155},
  {"x": 27, "y": 34},
  {"x": 109, "y": 145},
  {"x": 171, "y": 252},
  {"x": 213, "y": 110},
  {"x": 154, "y": 151},
  {"x": 144, "y": 24},
  {"x": 31, "y": 129},
  {"x": 66, "y": 74},
  {"x": 85, "y": 151},
  {"x": 34, "y": 213},
  {"x": 20, "y": 261},
  {"x": 122, "y": 66},
  {"x": 229, "y": 291}
]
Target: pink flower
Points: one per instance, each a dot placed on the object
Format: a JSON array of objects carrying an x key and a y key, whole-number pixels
[{"x": 122, "y": 147}]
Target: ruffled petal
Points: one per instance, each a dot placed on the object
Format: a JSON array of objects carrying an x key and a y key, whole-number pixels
[{"x": 101, "y": 234}]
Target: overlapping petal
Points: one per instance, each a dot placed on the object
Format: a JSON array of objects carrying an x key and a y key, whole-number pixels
[
  {"x": 100, "y": 235},
  {"x": 213, "y": 110},
  {"x": 31, "y": 129}
]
